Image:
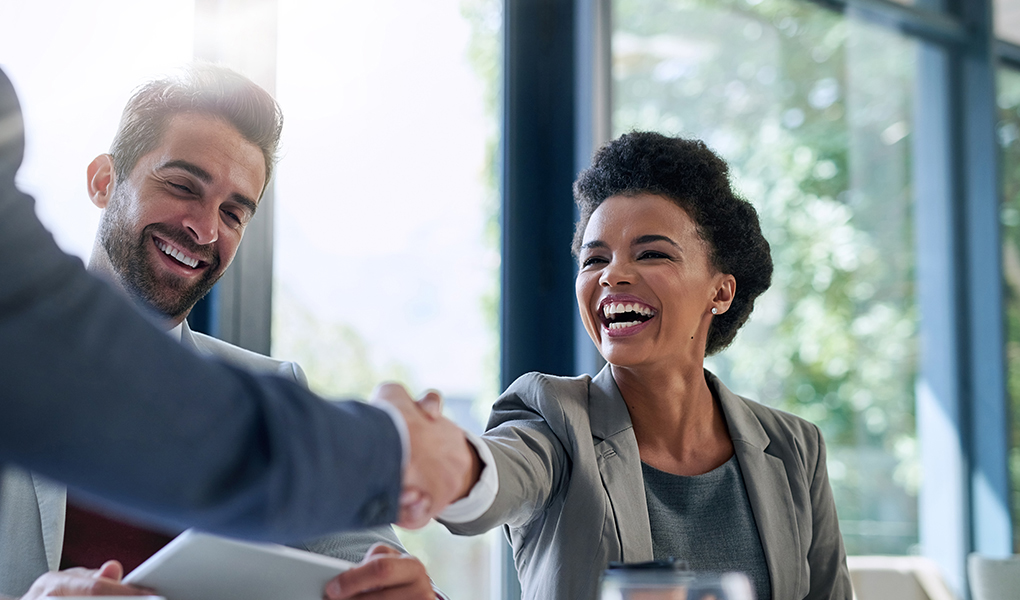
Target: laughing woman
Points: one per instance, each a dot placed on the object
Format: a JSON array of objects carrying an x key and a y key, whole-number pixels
[{"x": 654, "y": 457}]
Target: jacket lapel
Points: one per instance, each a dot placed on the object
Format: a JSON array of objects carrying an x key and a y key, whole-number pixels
[
  {"x": 768, "y": 490},
  {"x": 52, "y": 499},
  {"x": 764, "y": 475},
  {"x": 620, "y": 466}
]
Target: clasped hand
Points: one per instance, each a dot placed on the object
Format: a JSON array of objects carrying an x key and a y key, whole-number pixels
[{"x": 442, "y": 466}]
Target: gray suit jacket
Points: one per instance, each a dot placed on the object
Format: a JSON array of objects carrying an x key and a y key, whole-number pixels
[
  {"x": 32, "y": 508},
  {"x": 571, "y": 492}
]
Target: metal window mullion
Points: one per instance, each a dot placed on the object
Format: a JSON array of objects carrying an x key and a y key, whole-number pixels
[
  {"x": 538, "y": 168},
  {"x": 944, "y": 528},
  {"x": 924, "y": 23},
  {"x": 986, "y": 403},
  {"x": 961, "y": 401},
  {"x": 241, "y": 34},
  {"x": 593, "y": 32}
]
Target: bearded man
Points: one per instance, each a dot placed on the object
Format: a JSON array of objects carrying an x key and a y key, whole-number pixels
[{"x": 187, "y": 168}]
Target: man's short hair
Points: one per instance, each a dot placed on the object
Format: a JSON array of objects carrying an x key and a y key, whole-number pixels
[{"x": 203, "y": 89}]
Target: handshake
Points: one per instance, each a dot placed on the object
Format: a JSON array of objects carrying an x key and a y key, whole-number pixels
[{"x": 441, "y": 465}]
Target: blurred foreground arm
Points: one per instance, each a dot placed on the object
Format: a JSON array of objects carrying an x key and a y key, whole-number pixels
[{"x": 93, "y": 395}]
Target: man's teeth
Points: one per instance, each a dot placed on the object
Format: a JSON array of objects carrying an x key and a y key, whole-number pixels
[
  {"x": 174, "y": 252},
  {"x": 619, "y": 307}
]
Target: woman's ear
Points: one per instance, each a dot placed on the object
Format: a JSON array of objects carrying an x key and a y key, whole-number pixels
[
  {"x": 100, "y": 180},
  {"x": 724, "y": 293}
]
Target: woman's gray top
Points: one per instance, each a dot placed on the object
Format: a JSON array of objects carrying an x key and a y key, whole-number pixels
[{"x": 707, "y": 521}]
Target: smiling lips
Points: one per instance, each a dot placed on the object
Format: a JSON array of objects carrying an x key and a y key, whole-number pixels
[
  {"x": 176, "y": 254},
  {"x": 624, "y": 317}
]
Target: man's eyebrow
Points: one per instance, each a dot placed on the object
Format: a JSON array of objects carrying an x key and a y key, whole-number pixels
[
  {"x": 184, "y": 165},
  {"x": 250, "y": 205},
  {"x": 648, "y": 239}
]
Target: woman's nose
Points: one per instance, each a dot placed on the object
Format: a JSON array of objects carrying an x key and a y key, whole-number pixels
[{"x": 616, "y": 273}]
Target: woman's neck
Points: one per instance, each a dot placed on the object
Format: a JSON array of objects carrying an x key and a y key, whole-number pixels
[{"x": 678, "y": 424}]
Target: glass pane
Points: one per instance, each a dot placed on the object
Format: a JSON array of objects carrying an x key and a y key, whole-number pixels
[
  {"x": 387, "y": 250},
  {"x": 1009, "y": 140},
  {"x": 74, "y": 65},
  {"x": 1007, "y": 20},
  {"x": 813, "y": 113}
]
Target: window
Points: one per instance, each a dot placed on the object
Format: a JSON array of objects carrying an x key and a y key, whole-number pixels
[
  {"x": 387, "y": 255},
  {"x": 812, "y": 111},
  {"x": 1009, "y": 140},
  {"x": 74, "y": 66}
]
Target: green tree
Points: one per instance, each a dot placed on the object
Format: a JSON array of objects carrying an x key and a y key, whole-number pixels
[{"x": 812, "y": 111}]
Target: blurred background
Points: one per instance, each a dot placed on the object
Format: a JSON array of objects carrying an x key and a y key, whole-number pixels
[{"x": 419, "y": 223}]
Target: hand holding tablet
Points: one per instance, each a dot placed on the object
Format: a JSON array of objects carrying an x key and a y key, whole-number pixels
[{"x": 199, "y": 566}]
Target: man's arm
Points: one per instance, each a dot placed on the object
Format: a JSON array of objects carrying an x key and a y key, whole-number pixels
[
  {"x": 385, "y": 573},
  {"x": 96, "y": 397}
]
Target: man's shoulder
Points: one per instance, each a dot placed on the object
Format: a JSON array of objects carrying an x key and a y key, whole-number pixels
[{"x": 246, "y": 359}]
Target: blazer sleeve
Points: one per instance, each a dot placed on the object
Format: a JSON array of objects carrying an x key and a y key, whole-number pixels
[
  {"x": 93, "y": 395},
  {"x": 830, "y": 578},
  {"x": 526, "y": 436}
]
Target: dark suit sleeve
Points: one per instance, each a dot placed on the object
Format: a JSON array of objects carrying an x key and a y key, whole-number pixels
[{"x": 93, "y": 395}]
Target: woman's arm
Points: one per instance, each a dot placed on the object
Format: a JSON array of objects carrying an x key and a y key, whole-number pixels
[
  {"x": 529, "y": 458},
  {"x": 830, "y": 577}
]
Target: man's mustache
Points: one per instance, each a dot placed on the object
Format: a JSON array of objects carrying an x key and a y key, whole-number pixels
[{"x": 180, "y": 238}]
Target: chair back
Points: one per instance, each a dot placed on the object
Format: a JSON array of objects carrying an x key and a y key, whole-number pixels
[
  {"x": 897, "y": 578},
  {"x": 993, "y": 578}
]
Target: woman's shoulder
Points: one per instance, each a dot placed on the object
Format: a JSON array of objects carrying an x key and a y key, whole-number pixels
[
  {"x": 554, "y": 397},
  {"x": 540, "y": 387},
  {"x": 777, "y": 419},
  {"x": 776, "y": 424}
]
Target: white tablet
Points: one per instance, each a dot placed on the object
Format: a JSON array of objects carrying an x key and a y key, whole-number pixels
[{"x": 200, "y": 566}]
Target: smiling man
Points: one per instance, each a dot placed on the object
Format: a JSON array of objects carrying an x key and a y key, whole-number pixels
[
  {"x": 171, "y": 226},
  {"x": 184, "y": 176}
]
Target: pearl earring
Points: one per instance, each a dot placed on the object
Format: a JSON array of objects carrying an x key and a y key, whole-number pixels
[{"x": 715, "y": 310}]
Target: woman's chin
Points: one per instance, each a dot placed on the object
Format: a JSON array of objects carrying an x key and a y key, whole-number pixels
[{"x": 623, "y": 357}]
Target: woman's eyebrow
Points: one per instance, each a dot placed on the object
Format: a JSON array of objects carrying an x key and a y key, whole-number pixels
[
  {"x": 648, "y": 239},
  {"x": 593, "y": 244}
]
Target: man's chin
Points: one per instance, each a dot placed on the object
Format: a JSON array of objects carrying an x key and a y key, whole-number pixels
[{"x": 173, "y": 307}]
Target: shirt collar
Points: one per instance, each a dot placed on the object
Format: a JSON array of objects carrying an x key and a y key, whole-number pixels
[{"x": 177, "y": 332}]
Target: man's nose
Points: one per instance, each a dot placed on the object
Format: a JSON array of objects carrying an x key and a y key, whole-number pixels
[{"x": 203, "y": 222}]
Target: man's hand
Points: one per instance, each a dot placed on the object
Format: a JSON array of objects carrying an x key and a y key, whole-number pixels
[
  {"x": 104, "y": 581},
  {"x": 384, "y": 574},
  {"x": 442, "y": 466}
]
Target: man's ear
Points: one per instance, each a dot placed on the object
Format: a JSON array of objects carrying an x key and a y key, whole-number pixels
[{"x": 101, "y": 175}]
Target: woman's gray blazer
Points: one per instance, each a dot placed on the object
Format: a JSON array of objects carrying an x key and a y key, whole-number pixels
[{"x": 572, "y": 496}]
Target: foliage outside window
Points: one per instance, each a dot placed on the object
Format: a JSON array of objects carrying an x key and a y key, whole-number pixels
[
  {"x": 812, "y": 111},
  {"x": 1009, "y": 216}
]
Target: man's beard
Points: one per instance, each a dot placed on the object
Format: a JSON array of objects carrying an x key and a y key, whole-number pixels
[{"x": 168, "y": 295}]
